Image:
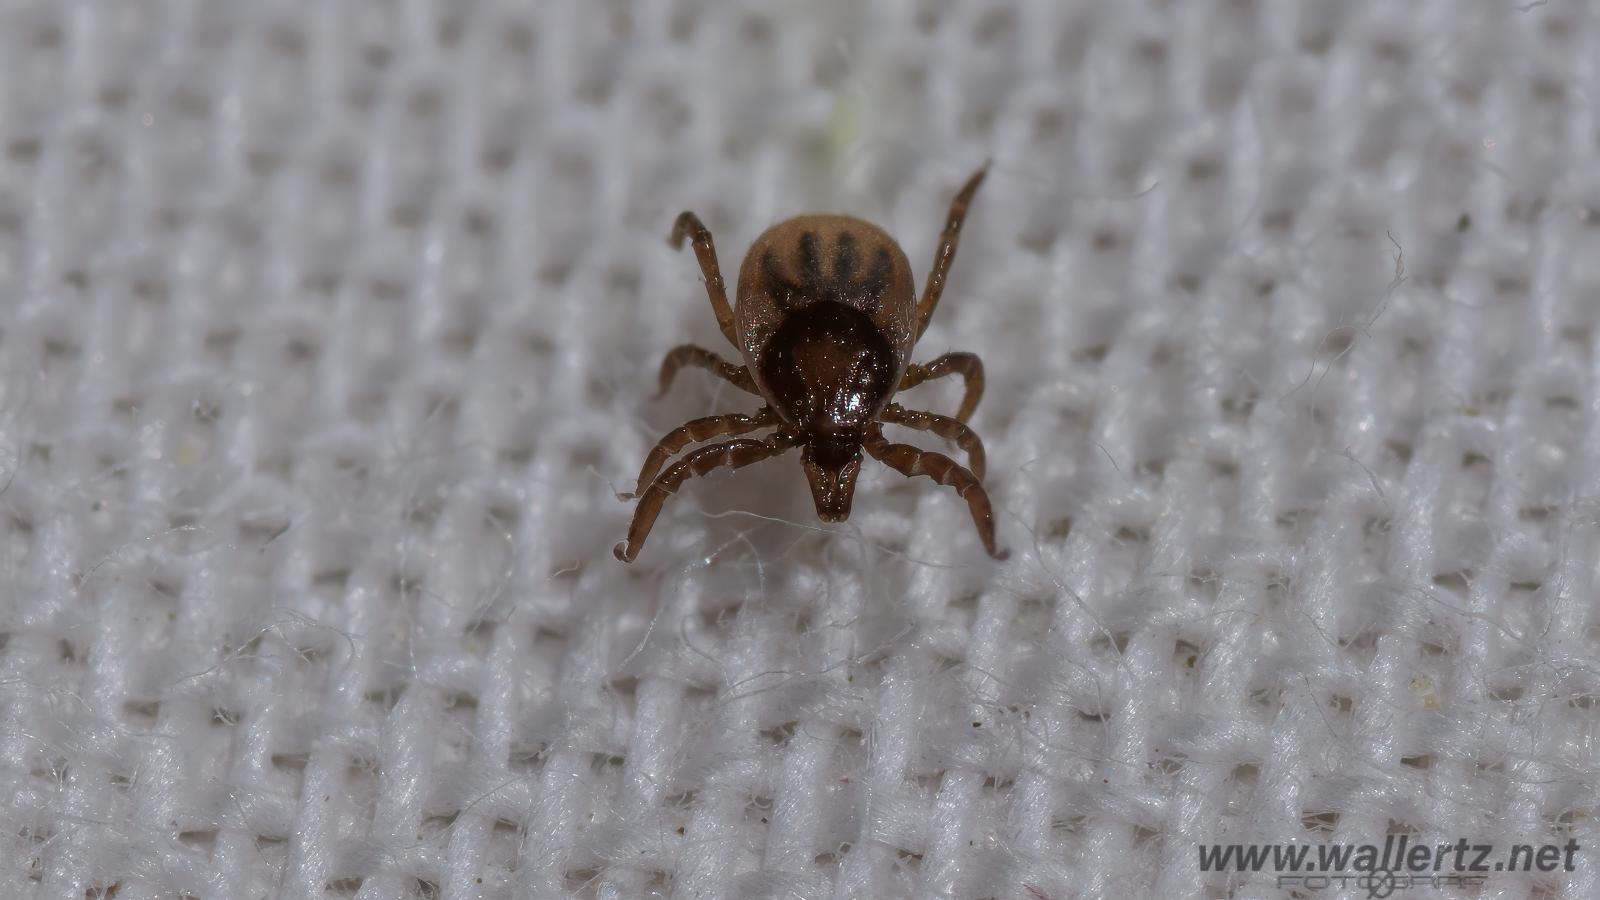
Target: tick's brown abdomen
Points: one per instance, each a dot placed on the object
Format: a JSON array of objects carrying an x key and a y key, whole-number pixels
[{"x": 824, "y": 259}]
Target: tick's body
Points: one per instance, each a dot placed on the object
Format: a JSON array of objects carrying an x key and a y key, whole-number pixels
[{"x": 825, "y": 321}]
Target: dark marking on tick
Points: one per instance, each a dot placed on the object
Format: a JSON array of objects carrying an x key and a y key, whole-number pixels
[
  {"x": 844, "y": 257},
  {"x": 810, "y": 263},
  {"x": 784, "y": 288},
  {"x": 843, "y": 283},
  {"x": 877, "y": 281}
]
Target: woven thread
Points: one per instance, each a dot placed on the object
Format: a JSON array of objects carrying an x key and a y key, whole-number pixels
[{"x": 330, "y": 331}]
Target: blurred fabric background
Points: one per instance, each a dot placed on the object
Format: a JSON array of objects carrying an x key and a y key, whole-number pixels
[{"x": 330, "y": 330}]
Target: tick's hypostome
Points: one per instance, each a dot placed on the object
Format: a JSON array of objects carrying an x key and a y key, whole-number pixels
[{"x": 824, "y": 321}]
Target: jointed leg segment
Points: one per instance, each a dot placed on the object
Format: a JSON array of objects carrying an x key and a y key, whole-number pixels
[
  {"x": 689, "y": 225},
  {"x": 967, "y": 365},
  {"x": 947, "y": 249},
  {"x": 730, "y": 454},
  {"x": 701, "y": 358},
  {"x": 910, "y": 461},
  {"x": 945, "y": 427},
  {"x": 694, "y": 430}
]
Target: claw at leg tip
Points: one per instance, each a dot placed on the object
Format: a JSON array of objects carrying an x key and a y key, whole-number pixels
[{"x": 680, "y": 230}]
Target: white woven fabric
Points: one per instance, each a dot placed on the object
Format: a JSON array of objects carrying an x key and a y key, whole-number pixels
[{"x": 330, "y": 330}]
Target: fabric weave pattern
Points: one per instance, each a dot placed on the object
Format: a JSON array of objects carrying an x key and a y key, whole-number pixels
[{"x": 331, "y": 330}]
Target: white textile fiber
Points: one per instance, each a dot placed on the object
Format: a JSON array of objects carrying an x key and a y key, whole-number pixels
[{"x": 330, "y": 332}]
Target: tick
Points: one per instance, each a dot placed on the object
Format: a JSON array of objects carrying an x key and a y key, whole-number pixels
[{"x": 825, "y": 321}]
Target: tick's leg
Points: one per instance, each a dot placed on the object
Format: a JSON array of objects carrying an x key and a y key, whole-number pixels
[
  {"x": 967, "y": 365},
  {"x": 690, "y": 226},
  {"x": 945, "y": 427},
  {"x": 947, "y": 249},
  {"x": 701, "y": 358},
  {"x": 910, "y": 461},
  {"x": 731, "y": 454},
  {"x": 695, "y": 430}
]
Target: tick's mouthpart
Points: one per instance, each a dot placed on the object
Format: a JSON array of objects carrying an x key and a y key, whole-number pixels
[{"x": 831, "y": 466}]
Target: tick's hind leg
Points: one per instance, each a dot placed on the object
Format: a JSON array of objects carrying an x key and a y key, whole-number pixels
[
  {"x": 910, "y": 461},
  {"x": 947, "y": 248},
  {"x": 967, "y": 365},
  {"x": 945, "y": 427},
  {"x": 702, "y": 429},
  {"x": 690, "y": 226},
  {"x": 701, "y": 358},
  {"x": 730, "y": 454}
]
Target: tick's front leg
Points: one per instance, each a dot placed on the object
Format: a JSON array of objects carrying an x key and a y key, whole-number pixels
[
  {"x": 701, "y": 358},
  {"x": 947, "y": 248},
  {"x": 690, "y": 226},
  {"x": 911, "y": 461},
  {"x": 953, "y": 430},
  {"x": 967, "y": 365},
  {"x": 731, "y": 454},
  {"x": 702, "y": 429}
]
